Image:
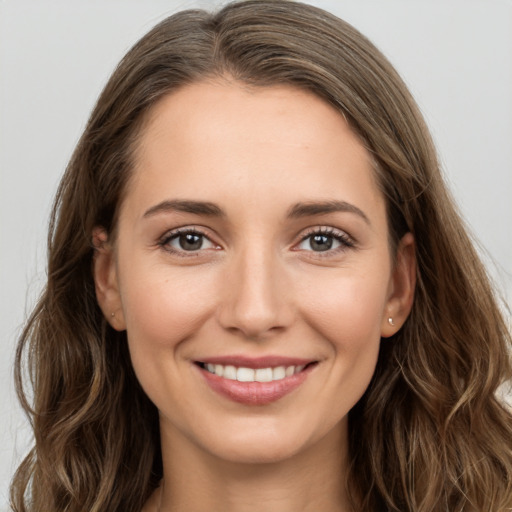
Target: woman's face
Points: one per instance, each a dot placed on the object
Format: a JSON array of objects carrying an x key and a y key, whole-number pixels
[{"x": 252, "y": 269}]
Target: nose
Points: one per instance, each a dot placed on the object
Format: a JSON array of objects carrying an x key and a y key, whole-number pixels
[{"x": 255, "y": 299}]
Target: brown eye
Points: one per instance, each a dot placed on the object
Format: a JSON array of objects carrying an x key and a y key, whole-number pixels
[
  {"x": 325, "y": 240},
  {"x": 187, "y": 241},
  {"x": 321, "y": 242},
  {"x": 190, "y": 241}
]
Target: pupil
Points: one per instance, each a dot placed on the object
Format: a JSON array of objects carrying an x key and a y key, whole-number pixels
[
  {"x": 321, "y": 243},
  {"x": 191, "y": 242}
]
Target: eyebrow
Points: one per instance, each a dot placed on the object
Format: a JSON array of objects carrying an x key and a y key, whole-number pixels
[
  {"x": 298, "y": 210},
  {"x": 324, "y": 207},
  {"x": 185, "y": 206}
]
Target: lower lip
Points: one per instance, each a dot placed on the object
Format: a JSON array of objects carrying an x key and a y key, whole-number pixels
[{"x": 255, "y": 393}]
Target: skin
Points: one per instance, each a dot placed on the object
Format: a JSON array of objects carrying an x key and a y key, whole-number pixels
[{"x": 257, "y": 286}]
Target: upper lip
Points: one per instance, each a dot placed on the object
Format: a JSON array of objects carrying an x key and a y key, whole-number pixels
[{"x": 269, "y": 361}]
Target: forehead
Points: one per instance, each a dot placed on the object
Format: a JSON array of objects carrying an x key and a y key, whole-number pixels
[{"x": 225, "y": 141}]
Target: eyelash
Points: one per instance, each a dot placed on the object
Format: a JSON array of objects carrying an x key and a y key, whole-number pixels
[
  {"x": 168, "y": 237},
  {"x": 345, "y": 241}
]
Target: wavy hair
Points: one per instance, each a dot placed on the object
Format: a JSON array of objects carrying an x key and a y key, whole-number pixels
[{"x": 429, "y": 434}]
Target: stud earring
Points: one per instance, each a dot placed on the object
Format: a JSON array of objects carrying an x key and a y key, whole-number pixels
[
  {"x": 390, "y": 321},
  {"x": 112, "y": 314}
]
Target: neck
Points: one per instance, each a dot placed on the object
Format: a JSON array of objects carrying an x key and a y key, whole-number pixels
[{"x": 196, "y": 480}]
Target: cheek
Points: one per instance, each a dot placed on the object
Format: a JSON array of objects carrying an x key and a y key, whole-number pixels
[
  {"x": 343, "y": 311},
  {"x": 348, "y": 311},
  {"x": 166, "y": 305},
  {"x": 163, "y": 308}
]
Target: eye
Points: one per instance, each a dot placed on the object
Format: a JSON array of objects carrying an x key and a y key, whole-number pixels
[
  {"x": 186, "y": 240},
  {"x": 324, "y": 240}
]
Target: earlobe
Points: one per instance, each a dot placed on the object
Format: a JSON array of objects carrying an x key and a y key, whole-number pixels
[
  {"x": 402, "y": 286},
  {"x": 105, "y": 279}
]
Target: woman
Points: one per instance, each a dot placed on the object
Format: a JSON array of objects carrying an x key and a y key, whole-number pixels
[{"x": 260, "y": 295}]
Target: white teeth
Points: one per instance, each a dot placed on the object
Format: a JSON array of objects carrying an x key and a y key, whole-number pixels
[
  {"x": 229, "y": 372},
  {"x": 244, "y": 374},
  {"x": 278, "y": 373},
  {"x": 251, "y": 375},
  {"x": 263, "y": 375}
]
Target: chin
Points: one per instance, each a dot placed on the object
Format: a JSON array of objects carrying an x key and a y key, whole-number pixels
[
  {"x": 258, "y": 452},
  {"x": 262, "y": 443}
]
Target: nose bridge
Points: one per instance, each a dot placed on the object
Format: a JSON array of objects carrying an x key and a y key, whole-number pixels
[{"x": 254, "y": 302}]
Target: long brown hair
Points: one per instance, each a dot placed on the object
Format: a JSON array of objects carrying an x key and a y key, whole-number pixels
[{"x": 429, "y": 434}]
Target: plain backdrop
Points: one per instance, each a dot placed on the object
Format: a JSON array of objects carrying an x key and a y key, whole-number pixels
[{"x": 56, "y": 55}]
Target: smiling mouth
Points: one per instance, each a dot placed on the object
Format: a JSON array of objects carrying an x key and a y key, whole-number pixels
[
  {"x": 244, "y": 374},
  {"x": 259, "y": 385}
]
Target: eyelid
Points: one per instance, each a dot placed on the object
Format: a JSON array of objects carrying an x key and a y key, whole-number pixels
[
  {"x": 346, "y": 240},
  {"x": 164, "y": 240}
]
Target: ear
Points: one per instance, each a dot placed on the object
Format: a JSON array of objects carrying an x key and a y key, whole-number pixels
[
  {"x": 105, "y": 279},
  {"x": 401, "y": 287}
]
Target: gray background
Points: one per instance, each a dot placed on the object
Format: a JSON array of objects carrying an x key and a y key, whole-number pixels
[{"x": 55, "y": 56}]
